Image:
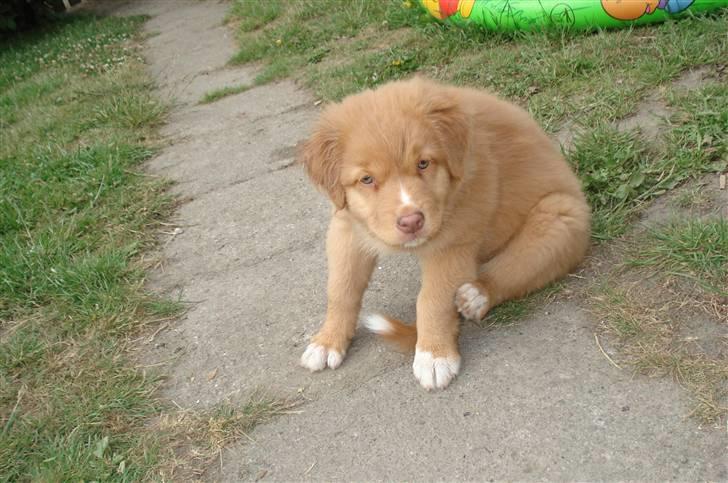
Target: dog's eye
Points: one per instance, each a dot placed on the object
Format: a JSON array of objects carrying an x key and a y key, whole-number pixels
[
  {"x": 367, "y": 180},
  {"x": 423, "y": 164}
]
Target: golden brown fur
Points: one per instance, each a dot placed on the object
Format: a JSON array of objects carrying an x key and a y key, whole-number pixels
[{"x": 503, "y": 214}]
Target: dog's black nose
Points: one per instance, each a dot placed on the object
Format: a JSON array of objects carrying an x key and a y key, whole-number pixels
[{"x": 411, "y": 223}]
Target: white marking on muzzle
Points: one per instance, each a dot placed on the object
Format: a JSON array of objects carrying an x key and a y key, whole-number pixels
[{"x": 404, "y": 196}]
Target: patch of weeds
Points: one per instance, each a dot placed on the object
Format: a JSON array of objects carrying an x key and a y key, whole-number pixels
[
  {"x": 269, "y": 73},
  {"x": 195, "y": 438},
  {"x": 617, "y": 173},
  {"x": 649, "y": 340},
  {"x": 318, "y": 55},
  {"x": 308, "y": 29},
  {"x": 695, "y": 250},
  {"x": 217, "y": 94},
  {"x": 276, "y": 70},
  {"x": 128, "y": 104},
  {"x": 699, "y": 138},
  {"x": 512, "y": 311},
  {"x": 692, "y": 197},
  {"x": 253, "y": 15},
  {"x": 367, "y": 71},
  {"x": 255, "y": 49},
  {"x": 623, "y": 322},
  {"x": 508, "y": 312}
]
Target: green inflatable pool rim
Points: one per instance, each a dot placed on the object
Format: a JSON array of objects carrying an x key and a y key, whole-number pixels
[{"x": 511, "y": 15}]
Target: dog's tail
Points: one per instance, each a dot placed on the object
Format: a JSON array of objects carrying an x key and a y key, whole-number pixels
[{"x": 402, "y": 335}]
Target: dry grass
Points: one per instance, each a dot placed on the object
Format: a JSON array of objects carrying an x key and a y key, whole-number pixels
[
  {"x": 194, "y": 439},
  {"x": 668, "y": 336}
]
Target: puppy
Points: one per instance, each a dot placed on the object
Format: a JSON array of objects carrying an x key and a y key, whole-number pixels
[{"x": 467, "y": 182}]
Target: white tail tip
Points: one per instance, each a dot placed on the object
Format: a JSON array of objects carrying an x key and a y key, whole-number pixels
[{"x": 377, "y": 324}]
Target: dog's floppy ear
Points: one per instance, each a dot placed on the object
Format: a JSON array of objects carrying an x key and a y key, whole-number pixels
[
  {"x": 321, "y": 157},
  {"x": 451, "y": 127}
]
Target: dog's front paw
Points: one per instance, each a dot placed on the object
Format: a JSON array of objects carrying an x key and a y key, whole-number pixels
[
  {"x": 471, "y": 302},
  {"x": 316, "y": 357},
  {"x": 435, "y": 372}
]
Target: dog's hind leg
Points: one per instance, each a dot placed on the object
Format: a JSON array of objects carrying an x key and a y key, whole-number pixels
[{"x": 551, "y": 242}]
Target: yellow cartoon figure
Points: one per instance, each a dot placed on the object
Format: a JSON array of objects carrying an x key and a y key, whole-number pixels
[{"x": 443, "y": 9}]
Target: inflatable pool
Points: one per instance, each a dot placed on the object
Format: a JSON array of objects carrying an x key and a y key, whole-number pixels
[{"x": 509, "y": 15}]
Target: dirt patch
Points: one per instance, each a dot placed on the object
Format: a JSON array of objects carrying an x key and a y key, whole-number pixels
[
  {"x": 651, "y": 115},
  {"x": 698, "y": 77},
  {"x": 703, "y": 337},
  {"x": 700, "y": 198},
  {"x": 565, "y": 136}
]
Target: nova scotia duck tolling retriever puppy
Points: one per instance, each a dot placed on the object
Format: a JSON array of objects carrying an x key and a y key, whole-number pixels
[{"x": 467, "y": 182}]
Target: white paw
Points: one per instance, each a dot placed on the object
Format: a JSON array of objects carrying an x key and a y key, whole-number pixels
[
  {"x": 317, "y": 357},
  {"x": 470, "y": 302},
  {"x": 435, "y": 372},
  {"x": 377, "y": 324}
]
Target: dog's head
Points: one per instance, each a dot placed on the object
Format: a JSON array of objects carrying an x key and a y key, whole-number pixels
[{"x": 392, "y": 157}]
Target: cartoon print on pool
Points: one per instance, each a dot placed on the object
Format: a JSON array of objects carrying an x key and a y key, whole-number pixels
[
  {"x": 443, "y": 9},
  {"x": 634, "y": 9}
]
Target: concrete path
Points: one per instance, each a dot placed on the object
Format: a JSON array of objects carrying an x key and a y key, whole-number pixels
[{"x": 536, "y": 400}]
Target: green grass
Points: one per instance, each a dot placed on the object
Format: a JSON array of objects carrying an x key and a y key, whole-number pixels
[
  {"x": 512, "y": 311},
  {"x": 620, "y": 171},
  {"x": 253, "y": 15},
  {"x": 617, "y": 173},
  {"x": 75, "y": 213},
  {"x": 585, "y": 81},
  {"x": 698, "y": 140},
  {"x": 695, "y": 250},
  {"x": 508, "y": 312},
  {"x": 271, "y": 72},
  {"x": 78, "y": 117},
  {"x": 351, "y": 45},
  {"x": 218, "y": 94}
]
